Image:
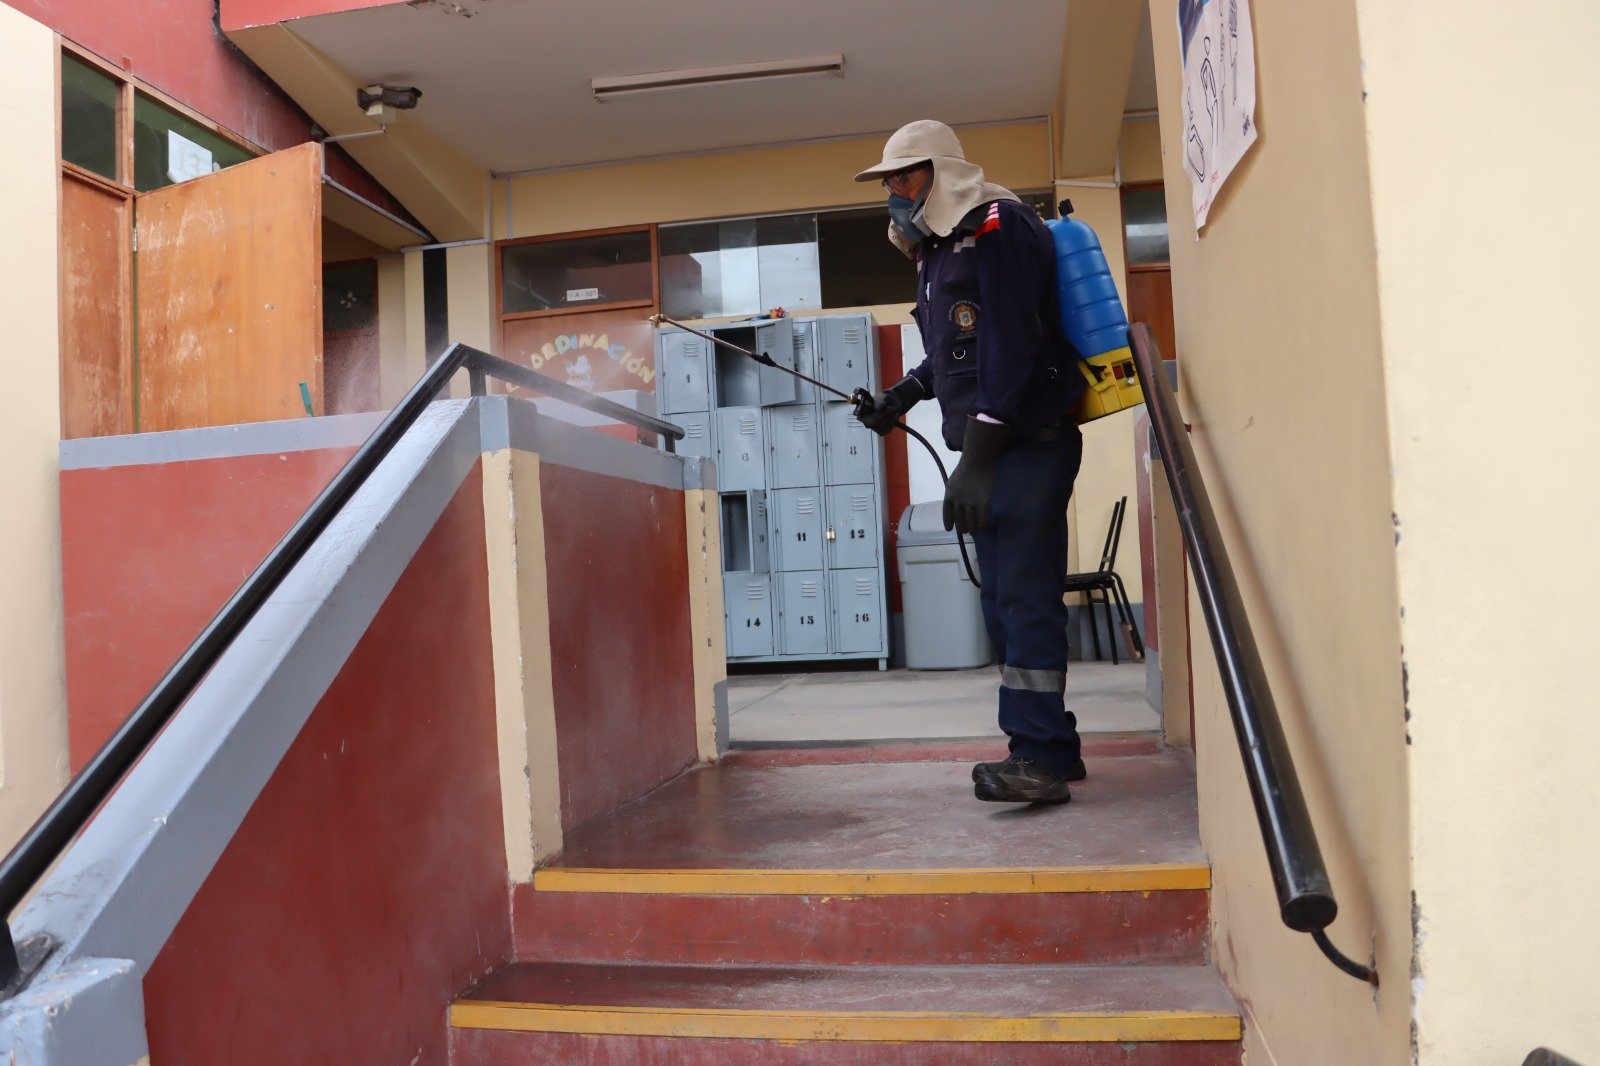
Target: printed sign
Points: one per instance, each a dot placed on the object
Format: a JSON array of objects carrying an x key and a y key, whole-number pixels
[
  {"x": 1218, "y": 55},
  {"x": 599, "y": 351},
  {"x": 579, "y": 295},
  {"x": 185, "y": 159}
]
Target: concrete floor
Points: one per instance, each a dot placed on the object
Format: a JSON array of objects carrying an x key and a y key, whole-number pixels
[{"x": 919, "y": 704}]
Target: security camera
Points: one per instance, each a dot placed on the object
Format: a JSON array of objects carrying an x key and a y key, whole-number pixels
[{"x": 382, "y": 101}]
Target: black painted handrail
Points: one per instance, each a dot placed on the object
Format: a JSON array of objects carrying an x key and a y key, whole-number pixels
[
  {"x": 1305, "y": 895},
  {"x": 53, "y": 832}
]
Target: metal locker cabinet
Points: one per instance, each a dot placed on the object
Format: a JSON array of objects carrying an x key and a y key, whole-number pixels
[
  {"x": 805, "y": 359},
  {"x": 741, "y": 454},
  {"x": 857, "y": 611},
  {"x": 849, "y": 455},
  {"x": 846, "y": 352},
  {"x": 745, "y": 547},
  {"x": 853, "y": 527},
  {"x": 697, "y": 438},
  {"x": 797, "y": 538},
  {"x": 794, "y": 438},
  {"x": 749, "y": 614},
  {"x": 803, "y": 613},
  {"x": 685, "y": 376},
  {"x": 776, "y": 339}
]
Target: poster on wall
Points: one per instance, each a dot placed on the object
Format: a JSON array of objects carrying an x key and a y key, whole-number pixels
[
  {"x": 1218, "y": 53},
  {"x": 600, "y": 351}
]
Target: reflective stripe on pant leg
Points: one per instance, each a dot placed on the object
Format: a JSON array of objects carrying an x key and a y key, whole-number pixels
[{"x": 1024, "y": 680}]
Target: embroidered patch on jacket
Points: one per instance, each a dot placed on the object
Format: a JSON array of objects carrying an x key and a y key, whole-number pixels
[
  {"x": 964, "y": 313},
  {"x": 991, "y": 222}
]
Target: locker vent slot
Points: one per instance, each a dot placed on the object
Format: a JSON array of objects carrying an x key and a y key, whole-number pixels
[
  {"x": 806, "y": 505},
  {"x": 851, "y": 334},
  {"x": 860, "y": 501},
  {"x": 810, "y": 588},
  {"x": 747, "y": 425},
  {"x": 695, "y": 430},
  {"x": 863, "y": 586},
  {"x": 802, "y": 423},
  {"x": 755, "y": 592}
]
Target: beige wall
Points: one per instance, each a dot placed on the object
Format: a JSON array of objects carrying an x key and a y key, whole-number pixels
[
  {"x": 1473, "y": 277},
  {"x": 1283, "y": 380},
  {"x": 1139, "y": 152},
  {"x": 761, "y": 181},
  {"x": 33, "y": 728},
  {"x": 397, "y": 369}
]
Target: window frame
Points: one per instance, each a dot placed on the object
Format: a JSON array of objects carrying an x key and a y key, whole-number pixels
[
  {"x": 1122, "y": 199},
  {"x": 555, "y": 312},
  {"x": 128, "y": 87}
]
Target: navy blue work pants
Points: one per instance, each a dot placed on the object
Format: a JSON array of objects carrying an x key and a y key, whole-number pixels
[{"x": 1022, "y": 562}]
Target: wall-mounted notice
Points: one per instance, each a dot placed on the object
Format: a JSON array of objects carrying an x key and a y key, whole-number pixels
[{"x": 1219, "y": 93}]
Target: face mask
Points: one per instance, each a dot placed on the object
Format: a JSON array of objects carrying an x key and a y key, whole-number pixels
[{"x": 903, "y": 213}]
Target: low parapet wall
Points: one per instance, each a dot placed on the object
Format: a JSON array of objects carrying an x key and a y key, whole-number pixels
[{"x": 318, "y": 851}]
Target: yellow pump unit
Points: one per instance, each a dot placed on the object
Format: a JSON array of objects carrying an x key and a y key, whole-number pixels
[{"x": 1113, "y": 384}]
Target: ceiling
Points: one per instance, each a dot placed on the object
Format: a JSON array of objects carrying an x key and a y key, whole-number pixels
[{"x": 507, "y": 81}]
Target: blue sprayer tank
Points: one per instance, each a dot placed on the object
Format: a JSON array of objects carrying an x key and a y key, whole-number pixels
[{"x": 1091, "y": 311}]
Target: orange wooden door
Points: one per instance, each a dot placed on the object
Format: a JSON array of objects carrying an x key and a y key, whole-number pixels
[
  {"x": 1150, "y": 302},
  {"x": 229, "y": 271},
  {"x": 96, "y": 327}
]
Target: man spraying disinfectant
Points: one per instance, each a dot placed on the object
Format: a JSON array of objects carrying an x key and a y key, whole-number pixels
[{"x": 1008, "y": 382}]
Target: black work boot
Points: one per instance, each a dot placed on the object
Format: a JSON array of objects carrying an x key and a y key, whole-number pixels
[
  {"x": 1022, "y": 781},
  {"x": 1076, "y": 772}
]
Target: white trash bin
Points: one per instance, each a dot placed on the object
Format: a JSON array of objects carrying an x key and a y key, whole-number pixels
[{"x": 943, "y": 615}]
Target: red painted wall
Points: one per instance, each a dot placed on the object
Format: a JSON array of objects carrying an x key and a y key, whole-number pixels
[
  {"x": 148, "y": 554},
  {"x": 897, "y": 476},
  {"x": 367, "y": 886},
  {"x": 241, "y": 14},
  {"x": 619, "y": 637}
]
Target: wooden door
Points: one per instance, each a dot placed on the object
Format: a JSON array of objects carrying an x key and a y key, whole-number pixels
[
  {"x": 1150, "y": 302},
  {"x": 229, "y": 272},
  {"x": 96, "y": 302}
]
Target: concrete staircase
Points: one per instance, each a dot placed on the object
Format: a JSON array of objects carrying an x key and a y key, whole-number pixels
[{"x": 857, "y": 905}]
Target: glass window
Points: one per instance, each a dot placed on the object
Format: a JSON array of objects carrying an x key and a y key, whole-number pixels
[
  {"x": 577, "y": 273},
  {"x": 740, "y": 267},
  {"x": 859, "y": 265},
  {"x": 1144, "y": 220},
  {"x": 88, "y": 117},
  {"x": 169, "y": 148},
  {"x": 349, "y": 295}
]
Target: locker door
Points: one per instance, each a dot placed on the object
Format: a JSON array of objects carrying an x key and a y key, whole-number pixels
[
  {"x": 745, "y": 547},
  {"x": 847, "y": 352},
  {"x": 741, "y": 458},
  {"x": 853, "y": 527},
  {"x": 797, "y": 537},
  {"x": 760, "y": 529},
  {"x": 848, "y": 447},
  {"x": 857, "y": 611},
  {"x": 795, "y": 440},
  {"x": 803, "y": 614},
  {"x": 776, "y": 339},
  {"x": 805, "y": 359},
  {"x": 683, "y": 362},
  {"x": 696, "y": 433},
  {"x": 749, "y": 615}
]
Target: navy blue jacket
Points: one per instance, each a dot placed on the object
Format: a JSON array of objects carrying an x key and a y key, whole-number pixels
[{"x": 986, "y": 306}]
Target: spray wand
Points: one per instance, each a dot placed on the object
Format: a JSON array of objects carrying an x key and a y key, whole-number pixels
[{"x": 860, "y": 400}]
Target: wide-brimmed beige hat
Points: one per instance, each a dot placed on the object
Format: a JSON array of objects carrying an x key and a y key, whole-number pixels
[{"x": 915, "y": 142}]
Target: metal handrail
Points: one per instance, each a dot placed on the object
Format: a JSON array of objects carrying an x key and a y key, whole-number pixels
[
  {"x": 54, "y": 830},
  {"x": 1305, "y": 895}
]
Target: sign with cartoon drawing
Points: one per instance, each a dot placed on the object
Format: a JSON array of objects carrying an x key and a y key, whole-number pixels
[{"x": 1219, "y": 94}]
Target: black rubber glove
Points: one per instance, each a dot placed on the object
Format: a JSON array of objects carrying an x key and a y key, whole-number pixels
[
  {"x": 891, "y": 403},
  {"x": 971, "y": 486}
]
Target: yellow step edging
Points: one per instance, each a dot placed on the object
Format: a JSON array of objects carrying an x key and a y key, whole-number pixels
[
  {"x": 898, "y": 1026},
  {"x": 886, "y": 882}
]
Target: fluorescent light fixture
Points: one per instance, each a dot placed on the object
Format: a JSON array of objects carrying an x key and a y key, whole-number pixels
[{"x": 695, "y": 77}]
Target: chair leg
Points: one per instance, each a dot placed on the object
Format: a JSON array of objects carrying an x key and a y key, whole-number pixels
[
  {"x": 1135, "y": 642},
  {"x": 1094, "y": 631},
  {"x": 1111, "y": 633}
]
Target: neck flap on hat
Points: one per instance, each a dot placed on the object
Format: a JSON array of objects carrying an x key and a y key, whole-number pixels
[{"x": 958, "y": 187}]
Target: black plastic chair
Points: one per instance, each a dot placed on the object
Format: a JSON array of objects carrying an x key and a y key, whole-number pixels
[{"x": 1108, "y": 584}]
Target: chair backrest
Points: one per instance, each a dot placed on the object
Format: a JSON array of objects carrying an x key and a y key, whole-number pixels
[{"x": 1108, "y": 554}]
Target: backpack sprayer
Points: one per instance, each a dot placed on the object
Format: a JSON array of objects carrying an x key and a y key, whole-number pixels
[{"x": 860, "y": 400}]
